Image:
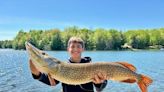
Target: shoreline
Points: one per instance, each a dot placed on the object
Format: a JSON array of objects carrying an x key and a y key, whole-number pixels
[{"x": 157, "y": 49}]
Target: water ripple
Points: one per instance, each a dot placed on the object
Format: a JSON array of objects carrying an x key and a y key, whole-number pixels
[{"x": 16, "y": 77}]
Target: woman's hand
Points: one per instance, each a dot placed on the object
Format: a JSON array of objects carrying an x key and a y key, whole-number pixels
[
  {"x": 35, "y": 71},
  {"x": 99, "y": 78}
]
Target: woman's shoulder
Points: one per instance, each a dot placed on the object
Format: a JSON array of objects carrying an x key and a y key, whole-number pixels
[{"x": 86, "y": 60}]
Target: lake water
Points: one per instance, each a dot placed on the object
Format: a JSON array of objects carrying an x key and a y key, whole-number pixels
[{"x": 16, "y": 77}]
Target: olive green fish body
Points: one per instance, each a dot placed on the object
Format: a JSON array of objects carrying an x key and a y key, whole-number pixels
[
  {"x": 75, "y": 73},
  {"x": 83, "y": 73}
]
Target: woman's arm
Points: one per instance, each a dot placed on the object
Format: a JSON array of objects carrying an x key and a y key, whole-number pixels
[{"x": 41, "y": 76}]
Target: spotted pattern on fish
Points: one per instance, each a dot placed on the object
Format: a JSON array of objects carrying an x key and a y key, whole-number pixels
[{"x": 75, "y": 74}]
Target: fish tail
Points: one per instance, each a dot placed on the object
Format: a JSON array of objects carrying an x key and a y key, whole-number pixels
[{"x": 144, "y": 82}]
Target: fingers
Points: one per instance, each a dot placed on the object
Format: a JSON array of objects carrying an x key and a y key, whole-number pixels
[
  {"x": 102, "y": 76},
  {"x": 99, "y": 78},
  {"x": 96, "y": 79}
]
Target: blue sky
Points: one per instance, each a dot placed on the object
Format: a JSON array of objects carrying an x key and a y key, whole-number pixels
[{"x": 48, "y": 14}]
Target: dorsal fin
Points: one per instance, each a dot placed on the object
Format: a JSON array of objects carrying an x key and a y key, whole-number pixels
[{"x": 127, "y": 65}]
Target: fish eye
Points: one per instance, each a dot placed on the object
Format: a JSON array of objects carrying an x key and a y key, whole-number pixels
[{"x": 43, "y": 53}]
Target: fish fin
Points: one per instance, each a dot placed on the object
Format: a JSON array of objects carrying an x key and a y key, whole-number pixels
[
  {"x": 144, "y": 82},
  {"x": 51, "y": 80},
  {"x": 127, "y": 65},
  {"x": 129, "y": 81}
]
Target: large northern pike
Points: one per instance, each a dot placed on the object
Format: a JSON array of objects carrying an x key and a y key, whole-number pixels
[{"x": 75, "y": 74}]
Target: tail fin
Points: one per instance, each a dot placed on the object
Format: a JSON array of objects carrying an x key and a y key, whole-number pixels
[{"x": 144, "y": 82}]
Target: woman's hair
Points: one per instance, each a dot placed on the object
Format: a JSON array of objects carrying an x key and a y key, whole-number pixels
[{"x": 76, "y": 40}]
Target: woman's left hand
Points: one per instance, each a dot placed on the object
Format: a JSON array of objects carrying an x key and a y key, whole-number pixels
[{"x": 99, "y": 78}]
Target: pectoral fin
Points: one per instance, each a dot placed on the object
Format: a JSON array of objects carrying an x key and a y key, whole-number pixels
[{"x": 129, "y": 81}]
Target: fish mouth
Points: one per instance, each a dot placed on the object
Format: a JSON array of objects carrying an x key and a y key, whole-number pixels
[
  {"x": 40, "y": 58},
  {"x": 36, "y": 55},
  {"x": 32, "y": 50}
]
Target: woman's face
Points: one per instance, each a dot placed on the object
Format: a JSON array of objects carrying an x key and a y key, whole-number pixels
[{"x": 75, "y": 50}]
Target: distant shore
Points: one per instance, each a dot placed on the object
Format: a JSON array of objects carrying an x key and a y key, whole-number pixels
[{"x": 95, "y": 39}]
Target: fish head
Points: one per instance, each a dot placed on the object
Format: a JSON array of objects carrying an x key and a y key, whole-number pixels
[{"x": 40, "y": 58}]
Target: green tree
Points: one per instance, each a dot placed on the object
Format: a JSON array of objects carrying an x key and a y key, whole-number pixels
[
  {"x": 117, "y": 39},
  {"x": 99, "y": 39},
  {"x": 1, "y": 42},
  {"x": 161, "y": 41},
  {"x": 56, "y": 43},
  {"x": 86, "y": 35},
  {"x": 154, "y": 37},
  {"x": 68, "y": 33},
  {"x": 19, "y": 40},
  {"x": 35, "y": 37},
  {"x": 138, "y": 39}
]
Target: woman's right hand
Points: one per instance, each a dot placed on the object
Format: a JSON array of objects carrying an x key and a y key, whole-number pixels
[
  {"x": 33, "y": 69},
  {"x": 36, "y": 72}
]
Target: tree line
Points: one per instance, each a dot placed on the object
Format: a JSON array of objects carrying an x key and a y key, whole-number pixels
[{"x": 95, "y": 39}]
